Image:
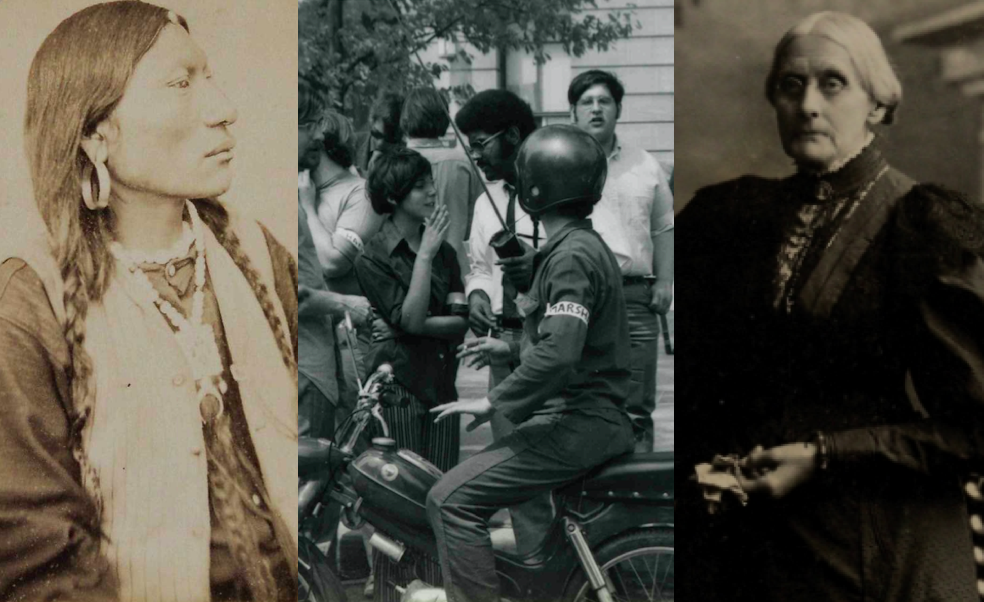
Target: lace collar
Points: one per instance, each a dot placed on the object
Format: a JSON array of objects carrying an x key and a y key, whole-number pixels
[{"x": 844, "y": 180}]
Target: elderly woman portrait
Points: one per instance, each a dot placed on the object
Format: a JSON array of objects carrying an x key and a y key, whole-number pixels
[
  {"x": 140, "y": 456},
  {"x": 835, "y": 374}
]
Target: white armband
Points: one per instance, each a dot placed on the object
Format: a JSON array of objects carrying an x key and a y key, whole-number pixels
[
  {"x": 568, "y": 308},
  {"x": 352, "y": 237}
]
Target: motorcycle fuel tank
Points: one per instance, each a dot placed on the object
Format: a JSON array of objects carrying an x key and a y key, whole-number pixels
[{"x": 394, "y": 483}]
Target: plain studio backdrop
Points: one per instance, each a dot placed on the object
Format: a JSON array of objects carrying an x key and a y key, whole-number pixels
[{"x": 252, "y": 50}]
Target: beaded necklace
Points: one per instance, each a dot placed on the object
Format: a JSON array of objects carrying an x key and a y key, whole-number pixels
[{"x": 196, "y": 338}]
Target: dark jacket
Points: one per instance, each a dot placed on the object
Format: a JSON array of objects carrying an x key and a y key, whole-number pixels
[
  {"x": 575, "y": 355},
  {"x": 874, "y": 337}
]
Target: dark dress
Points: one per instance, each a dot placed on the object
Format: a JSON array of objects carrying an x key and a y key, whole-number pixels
[{"x": 851, "y": 304}]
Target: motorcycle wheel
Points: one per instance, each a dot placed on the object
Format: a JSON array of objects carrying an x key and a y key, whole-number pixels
[
  {"x": 637, "y": 566},
  {"x": 315, "y": 580}
]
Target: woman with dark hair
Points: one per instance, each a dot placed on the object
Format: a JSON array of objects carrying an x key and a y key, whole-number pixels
[
  {"x": 411, "y": 277},
  {"x": 142, "y": 458},
  {"x": 837, "y": 317}
]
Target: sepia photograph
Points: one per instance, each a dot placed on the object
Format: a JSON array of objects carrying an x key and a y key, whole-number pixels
[
  {"x": 486, "y": 300},
  {"x": 148, "y": 305},
  {"x": 830, "y": 257}
]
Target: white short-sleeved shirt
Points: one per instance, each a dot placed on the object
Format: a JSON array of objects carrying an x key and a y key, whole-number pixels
[
  {"x": 636, "y": 206},
  {"x": 342, "y": 210}
]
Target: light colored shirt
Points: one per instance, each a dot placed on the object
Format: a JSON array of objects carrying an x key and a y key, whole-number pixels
[
  {"x": 458, "y": 186},
  {"x": 315, "y": 338},
  {"x": 484, "y": 274},
  {"x": 341, "y": 211},
  {"x": 637, "y": 195}
]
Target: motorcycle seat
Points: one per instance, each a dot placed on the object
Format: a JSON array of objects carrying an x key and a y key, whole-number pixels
[{"x": 640, "y": 477}]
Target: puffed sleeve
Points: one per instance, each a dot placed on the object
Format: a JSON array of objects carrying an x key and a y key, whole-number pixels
[
  {"x": 49, "y": 547},
  {"x": 940, "y": 258}
]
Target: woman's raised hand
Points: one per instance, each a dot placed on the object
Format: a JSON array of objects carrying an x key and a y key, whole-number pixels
[{"x": 435, "y": 231}]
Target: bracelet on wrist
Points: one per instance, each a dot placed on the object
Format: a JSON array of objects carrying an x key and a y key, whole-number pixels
[{"x": 823, "y": 459}]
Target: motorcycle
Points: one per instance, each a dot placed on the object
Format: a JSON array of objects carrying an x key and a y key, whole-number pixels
[{"x": 611, "y": 539}]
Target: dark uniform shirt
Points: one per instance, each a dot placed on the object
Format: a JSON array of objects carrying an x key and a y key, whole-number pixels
[
  {"x": 425, "y": 365},
  {"x": 575, "y": 350}
]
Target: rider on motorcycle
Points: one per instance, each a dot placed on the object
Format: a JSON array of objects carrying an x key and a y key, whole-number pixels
[{"x": 566, "y": 398}]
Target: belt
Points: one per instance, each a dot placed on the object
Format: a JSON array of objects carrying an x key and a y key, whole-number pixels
[
  {"x": 511, "y": 323},
  {"x": 631, "y": 280}
]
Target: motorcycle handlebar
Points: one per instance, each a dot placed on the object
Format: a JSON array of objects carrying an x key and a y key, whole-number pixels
[{"x": 371, "y": 396}]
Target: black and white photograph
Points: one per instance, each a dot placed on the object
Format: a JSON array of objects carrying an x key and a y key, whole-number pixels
[
  {"x": 486, "y": 230},
  {"x": 830, "y": 267},
  {"x": 148, "y": 372}
]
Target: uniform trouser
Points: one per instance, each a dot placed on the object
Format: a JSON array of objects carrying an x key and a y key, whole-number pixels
[
  {"x": 413, "y": 428},
  {"x": 542, "y": 454},
  {"x": 315, "y": 418},
  {"x": 530, "y": 521},
  {"x": 644, "y": 336}
]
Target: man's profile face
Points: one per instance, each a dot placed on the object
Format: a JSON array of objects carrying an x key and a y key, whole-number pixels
[{"x": 309, "y": 140}]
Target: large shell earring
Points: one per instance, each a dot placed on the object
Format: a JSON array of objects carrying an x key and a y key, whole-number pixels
[{"x": 101, "y": 199}]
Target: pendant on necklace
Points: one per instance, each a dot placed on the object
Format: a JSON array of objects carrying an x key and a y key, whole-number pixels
[
  {"x": 824, "y": 191},
  {"x": 211, "y": 407}
]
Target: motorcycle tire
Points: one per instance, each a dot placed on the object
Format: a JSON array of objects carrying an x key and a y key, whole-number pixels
[
  {"x": 638, "y": 567},
  {"x": 316, "y": 581}
]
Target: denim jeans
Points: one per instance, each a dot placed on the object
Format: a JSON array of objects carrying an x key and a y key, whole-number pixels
[{"x": 644, "y": 336}]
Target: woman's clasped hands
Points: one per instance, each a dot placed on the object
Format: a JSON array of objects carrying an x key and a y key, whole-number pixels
[{"x": 777, "y": 471}]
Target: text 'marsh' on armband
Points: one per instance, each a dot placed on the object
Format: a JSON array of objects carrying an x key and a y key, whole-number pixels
[{"x": 568, "y": 308}]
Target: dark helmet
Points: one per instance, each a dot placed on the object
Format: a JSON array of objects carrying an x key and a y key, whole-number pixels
[{"x": 559, "y": 165}]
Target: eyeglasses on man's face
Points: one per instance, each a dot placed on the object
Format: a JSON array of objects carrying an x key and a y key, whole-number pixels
[{"x": 478, "y": 146}]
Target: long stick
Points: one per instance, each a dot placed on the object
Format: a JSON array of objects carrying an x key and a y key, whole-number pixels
[{"x": 454, "y": 126}]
